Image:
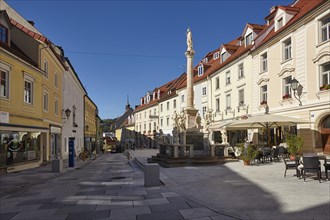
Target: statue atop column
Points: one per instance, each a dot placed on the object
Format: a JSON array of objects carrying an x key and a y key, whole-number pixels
[{"x": 189, "y": 40}]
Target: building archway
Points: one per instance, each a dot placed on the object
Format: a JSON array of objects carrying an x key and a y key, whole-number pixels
[{"x": 325, "y": 134}]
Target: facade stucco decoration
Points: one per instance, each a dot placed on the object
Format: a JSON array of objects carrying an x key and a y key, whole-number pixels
[
  {"x": 286, "y": 69},
  {"x": 322, "y": 57},
  {"x": 263, "y": 80}
]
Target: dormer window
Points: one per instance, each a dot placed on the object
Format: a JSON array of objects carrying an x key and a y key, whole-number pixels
[
  {"x": 216, "y": 55},
  {"x": 224, "y": 56},
  {"x": 3, "y": 34},
  {"x": 248, "y": 39},
  {"x": 279, "y": 23},
  {"x": 205, "y": 60},
  {"x": 200, "y": 69},
  {"x": 158, "y": 94}
]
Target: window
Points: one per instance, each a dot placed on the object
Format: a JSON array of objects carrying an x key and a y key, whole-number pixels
[
  {"x": 224, "y": 56},
  {"x": 161, "y": 122},
  {"x": 205, "y": 60},
  {"x": 240, "y": 71},
  {"x": 227, "y": 77},
  {"x": 155, "y": 126},
  {"x": 3, "y": 34},
  {"x": 200, "y": 70},
  {"x": 149, "y": 127},
  {"x": 161, "y": 107},
  {"x": 228, "y": 101},
  {"x": 56, "y": 106},
  {"x": 324, "y": 76},
  {"x": 264, "y": 65},
  {"x": 167, "y": 121},
  {"x": 155, "y": 111},
  {"x": 216, "y": 55},
  {"x": 241, "y": 97},
  {"x": 45, "y": 101},
  {"x": 168, "y": 106},
  {"x": 248, "y": 39},
  {"x": 204, "y": 91},
  {"x": 287, "y": 49},
  {"x": 204, "y": 110},
  {"x": 145, "y": 114},
  {"x": 28, "y": 91},
  {"x": 4, "y": 84},
  {"x": 174, "y": 103},
  {"x": 279, "y": 23},
  {"x": 217, "y": 104},
  {"x": 287, "y": 87},
  {"x": 263, "y": 94},
  {"x": 325, "y": 28},
  {"x": 217, "y": 83},
  {"x": 182, "y": 98},
  {"x": 46, "y": 68},
  {"x": 56, "y": 80}
]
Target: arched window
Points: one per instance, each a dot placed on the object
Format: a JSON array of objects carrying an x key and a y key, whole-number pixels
[{"x": 326, "y": 123}]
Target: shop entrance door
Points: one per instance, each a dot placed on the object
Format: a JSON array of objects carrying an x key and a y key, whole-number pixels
[{"x": 325, "y": 132}]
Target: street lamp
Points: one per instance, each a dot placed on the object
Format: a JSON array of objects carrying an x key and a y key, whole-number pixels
[
  {"x": 67, "y": 113},
  {"x": 294, "y": 86}
]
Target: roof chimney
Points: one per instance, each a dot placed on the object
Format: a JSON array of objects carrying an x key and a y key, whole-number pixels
[
  {"x": 272, "y": 9},
  {"x": 31, "y": 22}
]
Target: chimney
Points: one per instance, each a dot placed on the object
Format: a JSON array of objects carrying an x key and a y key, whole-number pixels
[
  {"x": 31, "y": 22},
  {"x": 272, "y": 9}
]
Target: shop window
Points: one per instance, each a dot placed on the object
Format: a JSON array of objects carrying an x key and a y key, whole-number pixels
[{"x": 19, "y": 147}]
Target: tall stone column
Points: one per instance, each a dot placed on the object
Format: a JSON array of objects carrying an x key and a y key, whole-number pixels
[{"x": 190, "y": 111}]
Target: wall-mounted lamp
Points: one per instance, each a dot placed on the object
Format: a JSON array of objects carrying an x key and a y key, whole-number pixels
[
  {"x": 87, "y": 127},
  {"x": 67, "y": 114},
  {"x": 295, "y": 87}
]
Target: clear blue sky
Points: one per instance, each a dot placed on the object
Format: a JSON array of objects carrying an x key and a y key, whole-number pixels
[{"x": 121, "y": 48}]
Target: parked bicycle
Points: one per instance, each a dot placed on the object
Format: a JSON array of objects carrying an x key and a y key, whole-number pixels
[{"x": 86, "y": 155}]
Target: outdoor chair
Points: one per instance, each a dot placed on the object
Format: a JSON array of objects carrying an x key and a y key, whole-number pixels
[
  {"x": 311, "y": 165},
  {"x": 326, "y": 167},
  {"x": 275, "y": 154},
  {"x": 289, "y": 165},
  {"x": 281, "y": 152}
]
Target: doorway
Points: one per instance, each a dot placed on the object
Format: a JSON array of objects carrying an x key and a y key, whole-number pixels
[{"x": 325, "y": 133}]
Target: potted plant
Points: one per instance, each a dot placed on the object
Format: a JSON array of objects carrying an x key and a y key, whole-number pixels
[
  {"x": 294, "y": 143},
  {"x": 286, "y": 96},
  {"x": 325, "y": 87},
  {"x": 248, "y": 153}
]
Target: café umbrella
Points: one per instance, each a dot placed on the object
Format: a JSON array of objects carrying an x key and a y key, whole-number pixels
[{"x": 265, "y": 121}]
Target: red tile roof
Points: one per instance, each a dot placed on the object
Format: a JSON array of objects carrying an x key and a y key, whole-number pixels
[
  {"x": 27, "y": 31},
  {"x": 304, "y": 6}
]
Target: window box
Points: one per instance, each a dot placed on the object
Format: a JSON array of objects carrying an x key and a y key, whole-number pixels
[
  {"x": 263, "y": 103},
  {"x": 325, "y": 87},
  {"x": 286, "y": 96}
]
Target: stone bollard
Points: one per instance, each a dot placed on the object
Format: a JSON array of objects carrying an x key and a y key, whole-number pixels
[{"x": 151, "y": 175}]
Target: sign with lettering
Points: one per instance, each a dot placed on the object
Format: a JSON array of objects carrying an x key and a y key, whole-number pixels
[{"x": 4, "y": 117}]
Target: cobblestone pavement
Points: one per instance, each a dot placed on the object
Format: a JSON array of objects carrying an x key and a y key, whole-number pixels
[
  {"x": 110, "y": 187},
  {"x": 259, "y": 191}
]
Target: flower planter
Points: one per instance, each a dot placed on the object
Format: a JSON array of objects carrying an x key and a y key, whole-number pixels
[{"x": 246, "y": 162}]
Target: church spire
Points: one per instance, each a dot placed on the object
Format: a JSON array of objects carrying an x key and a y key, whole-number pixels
[{"x": 127, "y": 105}]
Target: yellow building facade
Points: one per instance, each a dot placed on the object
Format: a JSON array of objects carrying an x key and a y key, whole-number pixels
[
  {"x": 23, "y": 132},
  {"x": 91, "y": 113}
]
